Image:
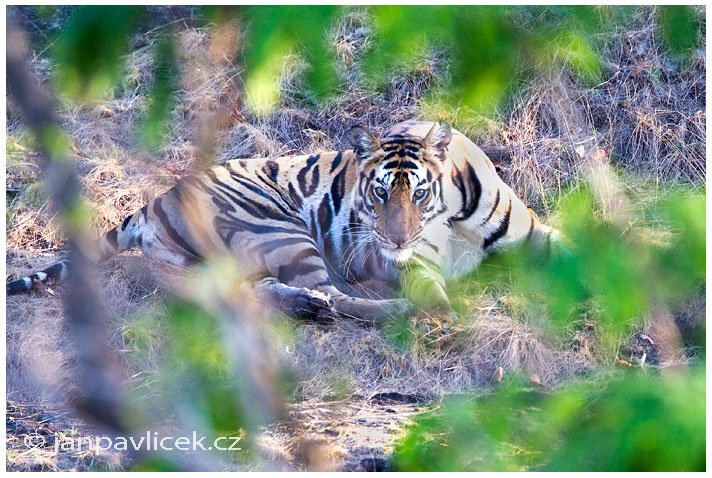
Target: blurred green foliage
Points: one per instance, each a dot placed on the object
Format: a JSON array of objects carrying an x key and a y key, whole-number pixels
[
  {"x": 277, "y": 31},
  {"x": 194, "y": 373},
  {"x": 612, "y": 269},
  {"x": 198, "y": 379},
  {"x": 90, "y": 47},
  {"x": 154, "y": 126},
  {"x": 680, "y": 28},
  {"x": 627, "y": 274},
  {"x": 635, "y": 422}
]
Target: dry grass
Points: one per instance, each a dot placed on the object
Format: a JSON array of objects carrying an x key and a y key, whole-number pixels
[
  {"x": 648, "y": 115},
  {"x": 348, "y": 359}
]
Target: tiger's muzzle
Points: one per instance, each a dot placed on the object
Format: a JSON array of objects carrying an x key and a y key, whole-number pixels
[{"x": 396, "y": 247}]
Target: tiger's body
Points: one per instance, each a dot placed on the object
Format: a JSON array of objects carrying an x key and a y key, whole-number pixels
[{"x": 342, "y": 223}]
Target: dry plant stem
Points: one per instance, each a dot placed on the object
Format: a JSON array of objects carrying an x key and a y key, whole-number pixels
[{"x": 97, "y": 392}]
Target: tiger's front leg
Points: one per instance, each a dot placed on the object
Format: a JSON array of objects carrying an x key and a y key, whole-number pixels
[
  {"x": 423, "y": 284},
  {"x": 302, "y": 267},
  {"x": 299, "y": 302}
]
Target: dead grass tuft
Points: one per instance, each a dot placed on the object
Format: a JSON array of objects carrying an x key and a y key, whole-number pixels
[{"x": 349, "y": 359}]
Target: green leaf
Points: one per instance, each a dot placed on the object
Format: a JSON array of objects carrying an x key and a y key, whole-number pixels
[
  {"x": 89, "y": 49},
  {"x": 680, "y": 28}
]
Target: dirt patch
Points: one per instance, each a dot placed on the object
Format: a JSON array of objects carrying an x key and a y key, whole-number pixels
[
  {"x": 34, "y": 435},
  {"x": 348, "y": 435}
]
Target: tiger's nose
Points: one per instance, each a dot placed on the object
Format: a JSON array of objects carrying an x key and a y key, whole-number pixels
[{"x": 398, "y": 240}]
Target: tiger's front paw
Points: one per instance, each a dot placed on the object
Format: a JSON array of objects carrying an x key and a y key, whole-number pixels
[
  {"x": 313, "y": 306},
  {"x": 436, "y": 323},
  {"x": 446, "y": 322}
]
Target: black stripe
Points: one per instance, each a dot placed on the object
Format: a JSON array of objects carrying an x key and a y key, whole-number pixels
[
  {"x": 305, "y": 253},
  {"x": 112, "y": 237},
  {"x": 431, "y": 245},
  {"x": 54, "y": 272},
  {"x": 281, "y": 194},
  {"x": 403, "y": 153},
  {"x": 301, "y": 177},
  {"x": 471, "y": 190},
  {"x": 258, "y": 210},
  {"x": 16, "y": 287},
  {"x": 531, "y": 227},
  {"x": 255, "y": 209},
  {"x": 287, "y": 273},
  {"x": 501, "y": 230},
  {"x": 335, "y": 163},
  {"x": 244, "y": 182},
  {"x": 249, "y": 184},
  {"x": 232, "y": 225},
  {"x": 401, "y": 164},
  {"x": 271, "y": 169},
  {"x": 329, "y": 255},
  {"x": 275, "y": 244},
  {"x": 34, "y": 277},
  {"x": 338, "y": 190},
  {"x": 296, "y": 199},
  {"x": 312, "y": 226},
  {"x": 126, "y": 222},
  {"x": 195, "y": 182},
  {"x": 325, "y": 215},
  {"x": 344, "y": 239},
  {"x": 398, "y": 142},
  {"x": 401, "y": 177},
  {"x": 494, "y": 208},
  {"x": 172, "y": 233},
  {"x": 411, "y": 153}
]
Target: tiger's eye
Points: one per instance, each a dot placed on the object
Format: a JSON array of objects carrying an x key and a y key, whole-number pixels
[
  {"x": 420, "y": 193},
  {"x": 381, "y": 192}
]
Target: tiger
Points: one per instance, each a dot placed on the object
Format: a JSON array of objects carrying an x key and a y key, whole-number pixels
[{"x": 343, "y": 231}]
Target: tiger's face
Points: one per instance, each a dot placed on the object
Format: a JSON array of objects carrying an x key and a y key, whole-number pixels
[{"x": 400, "y": 186}]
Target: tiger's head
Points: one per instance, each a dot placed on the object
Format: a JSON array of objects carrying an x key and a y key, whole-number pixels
[{"x": 400, "y": 185}]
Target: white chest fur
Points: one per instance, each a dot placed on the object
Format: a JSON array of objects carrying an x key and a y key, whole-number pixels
[{"x": 463, "y": 253}]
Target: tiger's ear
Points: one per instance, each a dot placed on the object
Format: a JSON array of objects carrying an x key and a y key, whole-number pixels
[
  {"x": 365, "y": 144},
  {"x": 438, "y": 138}
]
